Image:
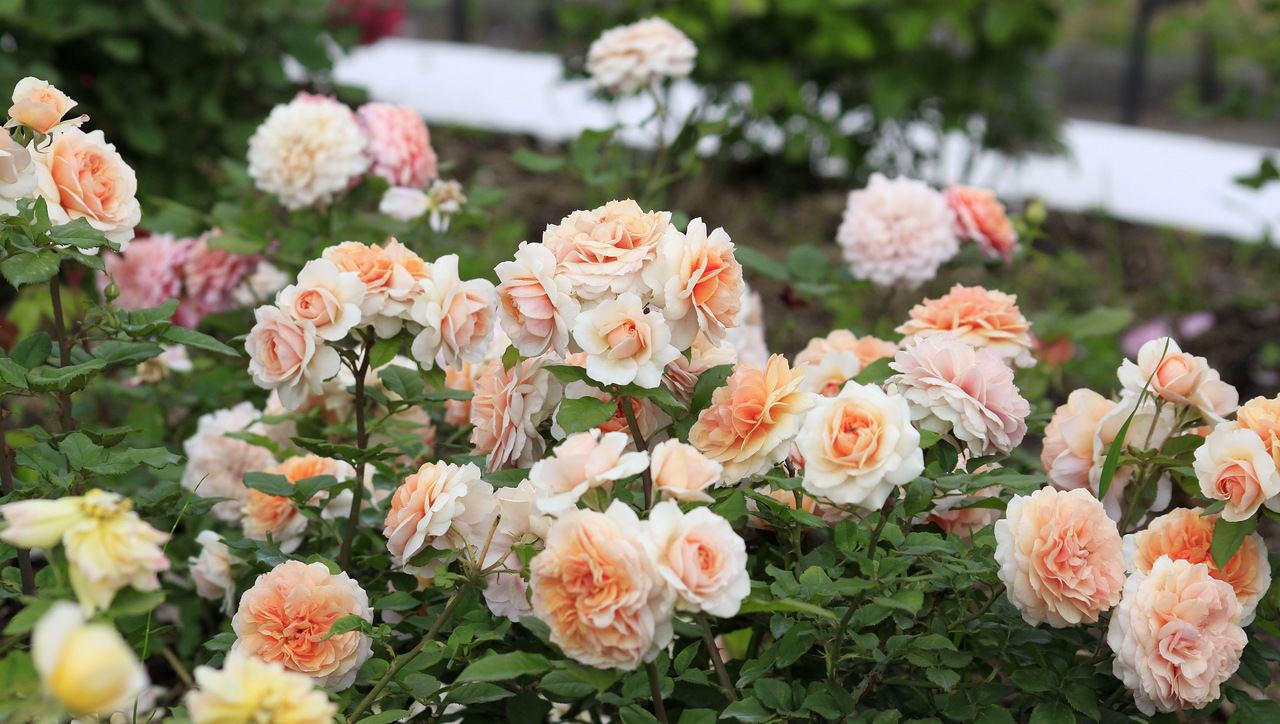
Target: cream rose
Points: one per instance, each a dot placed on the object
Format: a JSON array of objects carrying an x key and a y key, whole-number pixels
[
  {"x": 536, "y": 305},
  {"x": 457, "y": 317},
  {"x": 423, "y": 508},
  {"x": 1180, "y": 378},
  {"x": 604, "y": 251},
  {"x": 624, "y": 343},
  {"x": 1060, "y": 557},
  {"x": 326, "y": 297},
  {"x": 80, "y": 175},
  {"x": 211, "y": 570},
  {"x": 40, "y": 106},
  {"x": 682, "y": 472},
  {"x": 1235, "y": 466},
  {"x": 17, "y": 174},
  {"x": 284, "y": 356},
  {"x": 585, "y": 460},
  {"x": 87, "y": 667},
  {"x": 701, "y": 557},
  {"x": 697, "y": 282},
  {"x": 247, "y": 689}
]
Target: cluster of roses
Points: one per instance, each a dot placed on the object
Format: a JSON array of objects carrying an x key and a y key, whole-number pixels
[
  {"x": 314, "y": 148},
  {"x": 78, "y": 175},
  {"x": 1177, "y": 628}
]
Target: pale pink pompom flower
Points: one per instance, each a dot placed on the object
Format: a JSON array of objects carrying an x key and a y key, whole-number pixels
[
  {"x": 148, "y": 273},
  {"x": 399, "y": 144},
  {"x": 896, "y": 232}
]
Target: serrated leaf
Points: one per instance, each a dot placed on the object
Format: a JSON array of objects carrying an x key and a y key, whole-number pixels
[
  {"x": 79, "y": 234},
  {"x": 269, "y": 483},
  {"x": 584, "y": 413},
  {"x": 502, "y": 667},
  {"x": 63, "y": 379},
  {"x": 386, "y": 717},
  {"x": 33, "y": 350},
  {"x": 26, "y": 268},
  {"x": 1228, "y": 536},
  {"x": 198, "y": 340},
  {"x": 405, "y": 383}
]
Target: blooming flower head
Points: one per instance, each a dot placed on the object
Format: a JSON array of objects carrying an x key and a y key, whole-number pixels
[
  {"x": 981, "y": 218},
  {"x": 287, "y": 613},
  {"x": 828, "y": 375},
  {"x": 17, "y": 173},
  {"x": 604, "y": 251},
  {"x": 700, "y": 557},
  {"x": 216, "y": 464},
  {"x": 87, "y": 667},
  {"x": 1262, "y": 416},
  {"x": 968, "y": 392},
  {"x": 865, "y": 349},
  {"x": 506, "y": 410},
  {"x": 1068, "y": 451},
  {"x": 307, "y": 151},
  {"x": 80, "y": 175},
  {"x": 627, "y": 58},
  {"x": 896, "y": 232},
  {"x": 424, "y": 506},
  {"x": 697, "y": 283},
  {"x": 536, "y": 306},
  {"x": 598, "y": 589},
  {"x": 1151, "y": 425},
  {"x": 1187, "y": 535},
  {"x": 40, "y": 106},
  {"x": 247, "y": 689},
  {"x": 326, "y": 297},
  {"x": 859, "y": 445},
  {"x": 148, "y": 273},
  {"x": 277, "y": 516},
  {"x": 1176, "y": 636},
  {"x": 1060, "y": 557},
  {"x": 752, "y": 419},
  {"x": 390, "y": 274},
  {"x": 211, "y": 277},
  {"x": 585, "y": 460},
  {"x": 399, "y": 144},
  {"x": 1180, "y": 378},
  {"x": 681, "y": 472},
  {"x": 287, "y": 356},
  {"x": 457, "y": 316},
  {"x": 977, "y": 317},
  {"x": 1235, "y": 466},
  {"x": 444, "y": 200},
  {"x": 624, "y": 343}
]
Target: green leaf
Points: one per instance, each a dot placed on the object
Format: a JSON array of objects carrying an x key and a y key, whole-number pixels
[
  {"x": 386, "y": 717},
  {"x": 501, "y": 667},
  {"x": 584, "y": 413},
  {"x": 383, "y": 351},
  {"x": 80, "y": 451},
  {"x": 1052, "y": 712},
  {"x": 477, "y": 693},
  {"x": 348, "y": 623},
  {"x": 27, "y": 268},
  {"x": 145, "y": 317},
  {"x": 791, "y": 605},
  {"x": 875, "y": 373},
  {"x": 808, "y": 263},
  {"x": 1228, "y": 536},
  {"x": 568, "y": 373},
  {"x": 708, "y": 382},
  {"x": 748, "y": 710},
  {"x": 198, "y": 340},
  {"x": 12, "y": 373},
  {"x": 120, "y": 352},
  {"x": 269, "y": 483},
  {"x": 944, "y": 678},
  {"x": 63, "y": 379},
  {"x": 398, "y": 601},
  {"x": 536, "y": 162},
  {"x": 406, "y": 383},
  {"x": 78, "y": 233},
  {"x": 33, "y": 350},
  {"x": 26, "y": 619},
  {"x": 307, "y": 488},
  {"x": 773, "y": 694},
  {"x": 758, "y": 262}
]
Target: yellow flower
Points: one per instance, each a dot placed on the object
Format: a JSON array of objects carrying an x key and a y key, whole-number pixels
[
  {"x": 38, "y": 523},
  {"x": 248, "y": 690},
  {"x": 87, "y": 667}
]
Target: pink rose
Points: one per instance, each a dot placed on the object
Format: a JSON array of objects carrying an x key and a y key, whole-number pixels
[
  {"x": 148, "y": 273},
  {"x": 211, "y": 277},
  {"x": 537, "y": 307},
  {"x": 1235, "y": 466},
  {"x": 284, "y": 356},
  {"x": 80, "y": 175},
  {"x": 1068, "y": 452},
  {"x": 1180, "y": 378},
  {"x": 1176, "y": 636},
  {"x": 866, "y": 349},
  {"x": 625, "y": 343},
  {"x": 700, "y": 557},
  {"x": 697, "y": 283},
  {"x": 457, "y": 317},
  {"x": 682, "y": 472},
  {"x": 399, "y": 144},
  {"x": 424, "y": 507},
  {"x": 327, "y": 298},
  {"x": 896, "y": 232},
  {"x": 1060, "y": 557},
  {"x": 981, "y": 218},
  {"x": 506, "y": 410},
  {"x": 585, "y": 460}
]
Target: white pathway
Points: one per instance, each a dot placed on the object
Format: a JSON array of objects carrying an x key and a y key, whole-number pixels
[{"x": 1135, "y": 174}]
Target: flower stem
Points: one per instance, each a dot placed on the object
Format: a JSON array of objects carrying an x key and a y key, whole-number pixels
[
  {"x": 725, "y": 683},
  {"x": 362, "y": 441},
  {"x": 655, "y": 692},
  {"x": 6, "y": 479},
  {"x": 628, "y": 411},
  {"x": 64, "y": 350}
]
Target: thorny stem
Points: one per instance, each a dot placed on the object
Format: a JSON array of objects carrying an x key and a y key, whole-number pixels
[
  {"x": 725, "y": 683},
  {"x": 628, "y": 411},
  {"x": 362, "y": 441},
  {"x": 6, "y": 477},
  {"x": 655, "y": 692}
]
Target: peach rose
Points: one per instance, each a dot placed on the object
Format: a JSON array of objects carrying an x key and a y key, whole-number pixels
[
  {"x": 390, "y": 276},
  {"x": 457, "y": 317},
  {"x": 682, "y": 472},
  {"x": 603, "y": 251},
  {"x": 327, "y": 298},
  {"x": 423, "y": 508},
  {"x": 682, "y": 373},
  {"x": 858, "y": 446},
  {"x": 284, "y": 356},
  {"x": 977, "y": 317},
  {"x": 1176, "y": 636},
  {"x": 80, "y": 175},
  {"x": 1180, "y": 378},
  {"x": 624, "y": 343},
  {"x": 752, "y": 419},
  {"x": 287, "y": 613},
  {"x": 40, "y": 106},
  {"x": 867, "y": 349},
  {"x": 701, "y": 557},
  {"x": 461, "y": 378},
  {"x": 697, "y": 283},
  {"x": 1187, "y": 535},
  {"x": 585, "y": 460},
  {"x": 1262, "y": 416},
  {"x": 506, "y": 410},
  {"x": 598, "y": 589},
  {"x": 1235, "y": 465},
  {"x": 1060, "y": 557},
  {"x": 1068, "y": 454},
  {"x": 980, "y": 217},
  {"x": 276, "y": 516},
  {"x": 536, "y": 305},
  {"x": 828, "y": 375}
]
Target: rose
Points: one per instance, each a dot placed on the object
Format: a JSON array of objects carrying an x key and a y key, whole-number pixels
[
  {"x": 284, "y": 356},
  {"x": 109, "y": 548},
  {"x": 327, "y": 298},
  {"x": 276, "y": 517},
  {"x": 506, "y": 410},
  {"x": 390, "y": 277},
  {"x": 286, "y": 617},
  {"x": 424, "y": 506},
  {"x": 537, "y": 308},
  {"x": 211, "y": 570},
  {"x": 1262, "y": 416},
  {"x": 1180, "y": 378},
  {"x": 17, "y": 174},
  {"x": 457, "y": 317},
  {"x": 80, "y": 175},
  {"x": 867, "y": 349},
  {"x": 399, "y": 143},
  {"x": 1068, "y": 452},
  {"x": 859, "y": 445},
  {"x": 682, "y": 373},
  {"x": 87, "y": 667},
  {"x": 697, "y": 282},
  {"x": 978, "y": 317},
  {"x": 604, "y": 251},
  {"x": 700, "y": 557},
  {"x": 629, "y": 57},
  {"x": 1060, "y": 557},
  {"x": 624, "y": 343},
  {"x": 683, "y": 473},
  {"x": 981, "y": 218},
  {"x": 247, "y": 689},
  {"x": 1235, "y": 466},
  {"x": 216, "y": 463},
  {"x": 585, "y": 460},
  {"x": 40, "y": 106}
]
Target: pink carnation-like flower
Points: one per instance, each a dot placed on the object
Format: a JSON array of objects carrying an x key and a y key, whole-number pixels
[
  {"x": 896, "y": 232},
  {"x": 968, "y": 392},
  {"x": 506, "y": 410},
  {"x": 399, "y": 144},
  {"x": 978, "y": 317},
  {"x": 1060, "y": 557},
  {"x": 148, "y": 273},
  {"x": 981, "y": 218},
  {"x": 599, "y": 591},
  {"x": 630, "y": 57},
  {"x": 1176, "y": 635},
  {"x": 211, "y": 277}
]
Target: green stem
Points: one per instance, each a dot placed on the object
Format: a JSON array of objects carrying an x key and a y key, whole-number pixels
[
  {"x": 725, "y": 683},
  {"x": 362, "y": 441},
  {"x": 628, "y": 411},
  {"x": 64, "y": 350},
  {"x": 6, "y": 479},
  {"x": 655, "y": 691}
]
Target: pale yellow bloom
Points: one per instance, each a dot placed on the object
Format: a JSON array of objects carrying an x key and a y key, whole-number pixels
[
  {"x": 87, "y": 667},
  {"x": 248, "y": 690}
]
